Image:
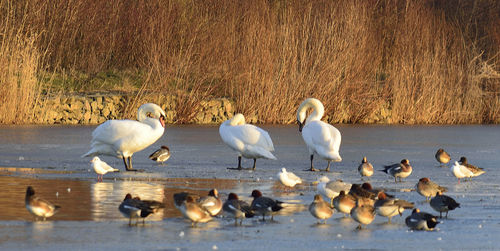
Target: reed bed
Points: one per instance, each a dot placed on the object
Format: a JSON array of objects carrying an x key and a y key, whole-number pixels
[{"x": 419, "y": 62}]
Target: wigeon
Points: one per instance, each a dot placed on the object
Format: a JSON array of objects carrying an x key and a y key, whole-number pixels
[
  {"x": 442, "y": 156},
  {"x": 212, "y": 203},
  {"x": 161, "y": 155},
  {"x": 428, "y": 189},
  {"x": 399, "y": 170},
  {"x": 193, "y": 211},
  {"x": 362, "y": 213},
  {"x": 365, "y": 168},
  {"x": 344, "y": 203},
  {"x": 262, "y": 205},
  {"x": 320, "y": 209},
  {"x": 38, "y": 206},
  {"x": 237, "y": 208},
  {"x": 388, "y": 207}
]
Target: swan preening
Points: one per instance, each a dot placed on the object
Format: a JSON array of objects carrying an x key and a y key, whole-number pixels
[
  {"x": 248, "y": 140},
  {"x": 321, "y": 138},
  {"x": 122, "y": 138}
]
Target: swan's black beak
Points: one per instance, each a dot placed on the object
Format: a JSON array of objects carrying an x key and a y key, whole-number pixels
[{"x": 300, "y": 125}]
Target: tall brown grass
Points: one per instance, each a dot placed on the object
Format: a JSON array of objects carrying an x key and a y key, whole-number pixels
[
  {"x": 425, "y": 61},
  {"x": 19, "y": 63}
]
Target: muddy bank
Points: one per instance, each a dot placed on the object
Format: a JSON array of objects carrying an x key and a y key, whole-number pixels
[{"x": 97, "y": 108}]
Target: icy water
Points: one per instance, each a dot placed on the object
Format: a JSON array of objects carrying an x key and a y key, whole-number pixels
[{"x": 48, "y": 158}]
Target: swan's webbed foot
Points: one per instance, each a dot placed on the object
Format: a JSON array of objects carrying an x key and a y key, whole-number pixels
[{"x": 312, "y": 169}]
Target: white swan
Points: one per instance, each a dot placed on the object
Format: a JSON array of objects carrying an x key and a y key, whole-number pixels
[
  {"x": 248, "y": 140},
  {"x": 288, "y": 179},
  {"x": 461, "y": 171},
  {"x": 101, "y": 167},
  {"x": 122, "y": 138},
  {"x": 321, "y": 138}
]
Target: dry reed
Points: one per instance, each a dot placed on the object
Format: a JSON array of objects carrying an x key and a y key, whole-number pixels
[{"x": 424, "y": 61}]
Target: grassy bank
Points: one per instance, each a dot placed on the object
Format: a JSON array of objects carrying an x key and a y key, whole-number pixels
[{"x": 421, "y": 61}]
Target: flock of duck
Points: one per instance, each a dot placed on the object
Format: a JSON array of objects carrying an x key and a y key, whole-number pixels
[{"x": 122, "y": 138}]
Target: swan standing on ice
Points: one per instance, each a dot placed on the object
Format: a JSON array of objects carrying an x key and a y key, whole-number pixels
[
  {"x": 248, "y": 140},
  {"x": 321, "y": 138},
  {"x": 122, "y": 138}
]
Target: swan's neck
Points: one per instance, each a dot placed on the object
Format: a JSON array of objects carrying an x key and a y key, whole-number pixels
[
  {"x": 238, "y": 119},
  {"x": 149, "y": 109},
  {"x": 154, "y": 123},
  {"x": 318, "y": 110}
]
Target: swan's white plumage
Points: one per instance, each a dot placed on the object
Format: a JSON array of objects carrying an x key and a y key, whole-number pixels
[
  {"x": 321, "y": 138},
  {"x": 248, "y": 140},
  {"x": 122, "y": 138},
  {"x": 288, "y": 179}
]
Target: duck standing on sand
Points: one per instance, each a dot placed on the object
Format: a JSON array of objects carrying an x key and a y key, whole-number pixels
[{"x": 399, "y": 170}]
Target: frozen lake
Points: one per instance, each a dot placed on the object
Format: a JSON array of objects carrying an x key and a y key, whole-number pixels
[{"x": 48, "y": 158}]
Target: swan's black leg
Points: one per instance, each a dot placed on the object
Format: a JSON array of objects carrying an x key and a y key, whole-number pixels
[
  {"x": 125, "y": 162},
  {"x": 328, "y": 167},
  {"x": 129, "y": 168},
  {"x": 312, "y": 166},
  {"x": 254, "y": 160}
]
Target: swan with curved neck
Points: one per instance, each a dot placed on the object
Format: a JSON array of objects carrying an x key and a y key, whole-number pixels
[
  {"x": 248, "y": 140},
  {"x": 122, "y": 138},
  {"x": 321, "y": 138}
]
